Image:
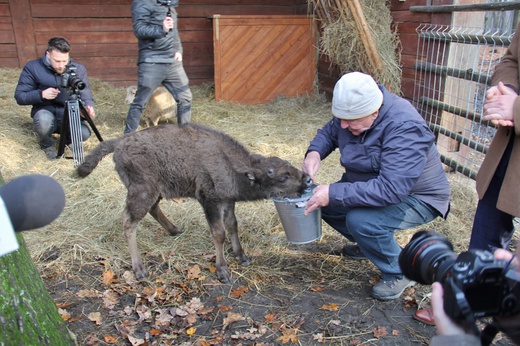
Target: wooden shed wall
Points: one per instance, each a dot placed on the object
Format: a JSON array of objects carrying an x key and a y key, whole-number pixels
[{"x": 100, "y": 32}]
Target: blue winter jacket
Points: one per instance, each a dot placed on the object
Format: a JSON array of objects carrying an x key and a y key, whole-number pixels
[
  {"x": 155, "y": 45},
  {"x": 38, "y": 75},
  {"x": 395, "y": 158}
]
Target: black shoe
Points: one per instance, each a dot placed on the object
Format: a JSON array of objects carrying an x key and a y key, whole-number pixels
[{"x": 353, "y": 252}]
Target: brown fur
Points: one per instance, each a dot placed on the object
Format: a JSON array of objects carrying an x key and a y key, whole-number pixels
[
  {"x": 168, "y": 161},
  {"x": 160, "y": 107}
]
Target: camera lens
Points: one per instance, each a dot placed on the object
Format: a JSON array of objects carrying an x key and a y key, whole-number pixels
[
  {"x": 77, "y": 83},
  {"x": 427, "y": 257}
]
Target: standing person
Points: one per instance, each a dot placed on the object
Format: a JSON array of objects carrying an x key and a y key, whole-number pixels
[
  {"x": 497, "y": 179},
  {"x": 40, "y": 85},
  {"x": 159, "y": 61},
  {"x": 393, "y": 179}
]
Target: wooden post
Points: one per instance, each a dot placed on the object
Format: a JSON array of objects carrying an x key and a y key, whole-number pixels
[{"x": 23, "y": 31}]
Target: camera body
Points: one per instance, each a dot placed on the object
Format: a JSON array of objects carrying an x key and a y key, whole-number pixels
[
  {"x": 173, "y": 3},
  {"x": 69, "y": 79},
  {"x": 474, "y": 282}
]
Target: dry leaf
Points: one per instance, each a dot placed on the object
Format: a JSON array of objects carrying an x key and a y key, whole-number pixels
[
  {"x": 239, "y": 292},
  {"x": 108, "y": 277},
  {"x": 330, "y": 307},
  {"x": 317, "y": 288},
  {"x": 91, "y": 293},
  {"x": 95, "y": 317},
  {"x": 191, "y": 330},
  {"x": 64, "y": 314},
  {"x": 395, "y": 332},
  {"x": 380, "y": 332},
  {"x": 232, "y": 317},
  {"x": 194, "y": 273},
  {"x": 110, "y": 339}
]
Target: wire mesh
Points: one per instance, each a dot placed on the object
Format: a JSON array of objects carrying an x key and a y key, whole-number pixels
[{"x": 453, "y": 69}]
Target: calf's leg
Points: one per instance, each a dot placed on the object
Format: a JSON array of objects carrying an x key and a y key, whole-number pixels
[
  {"x": 218, "y": 235},
  {"x": 158, "y": 215},
  {"x": 130, "y": 228},
  {"x": 231, "y": 225}
]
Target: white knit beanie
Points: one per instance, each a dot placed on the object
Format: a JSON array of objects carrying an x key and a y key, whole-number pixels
[{"x": 356, "y": 95}]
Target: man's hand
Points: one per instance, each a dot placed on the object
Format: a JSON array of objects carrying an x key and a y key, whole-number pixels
[
  {"x": 311, "y": 164},
  {"x": 498, "y": 106},
  {"x": 90, "y": 111},
  {"x": 167, "y": 24},
  {"x": 320, "y": 198},
  {"x": 50, "y": 93},
  {"x": 178, "y": 56}
]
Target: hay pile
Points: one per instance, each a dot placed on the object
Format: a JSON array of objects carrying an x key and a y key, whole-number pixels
[
  {"x": 90, "y": 229},
  {"x": 345, "y": 46}
]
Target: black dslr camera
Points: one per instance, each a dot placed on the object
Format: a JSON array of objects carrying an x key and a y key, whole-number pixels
[
  {"x": 168, "y": 3},
  {"x": 475, "y": 284},
  {"x": 69, "y": 79}
]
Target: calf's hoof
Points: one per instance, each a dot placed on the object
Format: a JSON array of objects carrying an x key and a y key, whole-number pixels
[
  {"x": 243, "y": 260},
  {"x": 140, "y": 271},
  {"x": 224, "y": 276}
]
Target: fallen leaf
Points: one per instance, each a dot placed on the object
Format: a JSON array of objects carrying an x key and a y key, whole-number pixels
[
  {"x": 395, "y": 332},
  {"x": 224, "y": 308},
  {"x": 110, "y": 339},
  {"x": 194, "y": 273},
  {"x": 91, "y": 293},
  {"x": 108, "y": 277},
  {"x": 330, "y": 307},
  {"x": 238, "y": 292},
  {"x": 64, "y": 314},
  {"x": 232, "y": 317},
  {"x": 191, "y": 330},
  {"x": 95, "y": 317},
  {"x": 379, "y": 332},
  {"x": 317, "y": 288}
]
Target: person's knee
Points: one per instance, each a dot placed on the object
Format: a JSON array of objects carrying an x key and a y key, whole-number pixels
[
  {"x": 44, "y": 122},
  {"x": 85, "y": 132}
]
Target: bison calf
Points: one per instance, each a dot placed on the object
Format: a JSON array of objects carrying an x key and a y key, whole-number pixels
[
  {"x": 160, "y": 107},
  {"x": 168, "y": 161}
]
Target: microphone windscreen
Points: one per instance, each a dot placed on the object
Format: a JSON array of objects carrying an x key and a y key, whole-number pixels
[{"x": 32, "y": 201}]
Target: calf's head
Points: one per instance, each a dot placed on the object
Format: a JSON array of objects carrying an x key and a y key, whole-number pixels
[{"x": 277, "y": 178}]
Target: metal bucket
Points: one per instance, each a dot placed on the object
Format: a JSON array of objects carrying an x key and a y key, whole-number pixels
[{"x": 299, "y": 229}]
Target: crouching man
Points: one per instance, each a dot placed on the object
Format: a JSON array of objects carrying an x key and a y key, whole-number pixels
[
  {"x": 40, "y": 85},
  {"x": 393, "y": 179}
]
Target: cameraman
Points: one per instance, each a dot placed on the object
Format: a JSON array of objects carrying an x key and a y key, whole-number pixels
[
  {"x": 453, "y": 333},
  {"x": 159, "y": 61},
  {"x": 40, "y": 85}
]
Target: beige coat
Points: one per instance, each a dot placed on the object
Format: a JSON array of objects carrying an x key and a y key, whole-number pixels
[{"x": 508, "y": 72}]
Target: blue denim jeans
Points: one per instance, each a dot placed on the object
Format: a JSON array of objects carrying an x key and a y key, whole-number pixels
[
  {"x": 45, "y": 124},
  {"x": 150, "y": 76},
  {"x": 373, "y": 228},
  {"x": 492, "y": 228}
]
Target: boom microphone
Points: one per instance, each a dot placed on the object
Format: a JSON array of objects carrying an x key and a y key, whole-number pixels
[{"x": 32, "y": 201}]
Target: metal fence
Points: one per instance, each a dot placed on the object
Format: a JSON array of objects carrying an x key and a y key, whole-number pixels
[{"x": 453, "y": 70}]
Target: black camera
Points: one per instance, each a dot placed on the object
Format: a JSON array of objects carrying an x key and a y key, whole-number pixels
[
  {"x": 474, "y": 282},
  {"x": 168, "y": 3},
  {"x": 70, "y": 79}
]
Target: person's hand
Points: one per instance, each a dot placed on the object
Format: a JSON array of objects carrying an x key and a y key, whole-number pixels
[
  {"x": 90, "y": 111},
  {"x": 499, "y": 104},
  {"x": 311, "y": 164},
  {"x": 320, "y": 198},
  {"x": 167, "y": 24},
  {"x": 178, "y": 56},
  {"x": 50, "y": 93},
  {"x": 445, "y": 325}
]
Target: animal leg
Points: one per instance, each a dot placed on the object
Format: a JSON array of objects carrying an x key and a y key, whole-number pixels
[
  {"x": 218, "y": 235},
  {"x": 130, "y": 227},
  {"x": 231, "y": 224},
  {"x": 158, "y": 215},
  {"x": 155, "y": 120}
]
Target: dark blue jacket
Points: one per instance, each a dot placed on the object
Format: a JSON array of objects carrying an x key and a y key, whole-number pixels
[
  {"x": 155, "y": 45},
  {"x": 395, "y": 158},
  {"x": 38, "y": 75}
]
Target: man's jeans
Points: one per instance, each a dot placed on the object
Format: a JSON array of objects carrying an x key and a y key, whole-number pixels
[
  {"x": 373, "y": 229},
  {"x": 150, "y": 76},
  {"x": 45, "y": 125}
]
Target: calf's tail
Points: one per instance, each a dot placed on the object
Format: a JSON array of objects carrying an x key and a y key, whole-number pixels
[{"x": 96, "y": 155}]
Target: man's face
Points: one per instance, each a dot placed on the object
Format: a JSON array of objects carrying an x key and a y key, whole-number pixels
[
  {"x": 58, "y": 60},
  {"x": 358, "y": 126}
]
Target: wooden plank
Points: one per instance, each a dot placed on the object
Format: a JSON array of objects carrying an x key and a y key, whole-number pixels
[
  {"x": 23, "y": 31},
  {"x": 75, "y": 10},
  {"x": 258, "y": 58}
]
